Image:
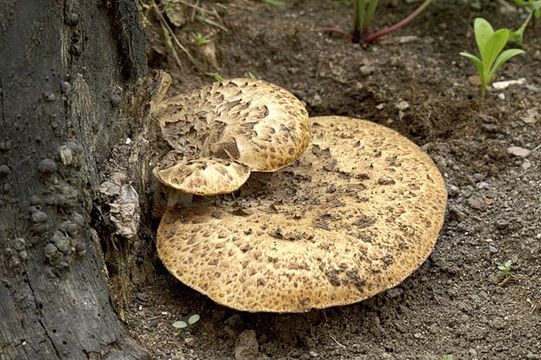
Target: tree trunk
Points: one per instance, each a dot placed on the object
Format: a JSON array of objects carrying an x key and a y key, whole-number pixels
[{"x": 68, "y": 94}]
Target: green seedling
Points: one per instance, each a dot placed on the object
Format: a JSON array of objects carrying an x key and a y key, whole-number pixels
[
  {"x": 447, "y": 357},
  {"x": 186, "y": 321},
  {"x": 492, "y": 56},
  {"x": 534, "y": 8},
  {"x": 505, "y": 268},
  {"x": 199, "y": 39}
]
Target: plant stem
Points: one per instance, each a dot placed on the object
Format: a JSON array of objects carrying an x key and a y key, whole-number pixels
[
  {"x": 369, "y": 39},
  {"x": 484, "y": 85},
  {"x": 358, "y": 7}
]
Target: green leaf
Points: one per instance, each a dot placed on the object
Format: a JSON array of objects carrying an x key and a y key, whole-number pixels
[
  {"x": 483, "y": 32},
  {"x": 180, "y": 324},
  {"x": 502, "y": 59},
  {"x": 192, "y": 319},
  {"x": 475, "y": 60},
  {"x": 494, "y": 47}
]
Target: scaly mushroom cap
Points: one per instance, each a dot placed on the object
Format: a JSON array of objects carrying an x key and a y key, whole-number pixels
[
  {"x": 203, "y": 176},
  {"x": 357, "y": 214},
  {"x": 252, "y": 122}
]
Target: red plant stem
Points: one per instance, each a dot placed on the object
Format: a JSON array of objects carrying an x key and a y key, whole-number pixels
[
  {"x": 336, "y": 30},
  {"x": 371, "y": 38}
]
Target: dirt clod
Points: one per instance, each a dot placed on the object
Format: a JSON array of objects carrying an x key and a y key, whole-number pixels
[{"x": 246, "y": 346}]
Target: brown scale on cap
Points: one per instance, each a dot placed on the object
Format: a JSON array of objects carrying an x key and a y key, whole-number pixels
[
  {"x": 253, "y": 123},
  {"x": 326, "y": 231}
]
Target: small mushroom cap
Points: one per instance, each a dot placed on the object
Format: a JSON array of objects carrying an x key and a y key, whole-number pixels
[
  {"x": 357, "y": 214},
  {"x": 253, "y": 122},
  {"x": 203, "y": 176}
]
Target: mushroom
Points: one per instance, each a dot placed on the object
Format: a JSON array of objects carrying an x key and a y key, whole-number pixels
[
  {"x": 355, "y": 215},
  {"x": 223, "y": 131}
]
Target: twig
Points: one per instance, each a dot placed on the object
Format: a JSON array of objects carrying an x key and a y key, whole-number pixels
[
  {"x": 164, "y": 23},
  {"x": 213, "y": 23},
  {"x": 171, "y": 47},
  {"x": 197, "y": 7},
  {"x": 203, "y": 10},
  {"x": 336, "y": 341},
  {"x": 194, "y": 11}
]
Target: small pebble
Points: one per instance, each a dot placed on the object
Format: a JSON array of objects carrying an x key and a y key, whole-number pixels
[
  {"x": 453, "y": 190},
  {"x": 477, "y": 203},
  {"x": 39, "y": 216},
  {"x": 483, "y": 185},
  {"x": 526, "y": 165},
  {"x": 141, "y": 296},
  {"x": 531, "y": 116},
  {"x": 367, "y": 69},
  {"x": 518, "y": 151},
  {"x": 403, "y": 105}
]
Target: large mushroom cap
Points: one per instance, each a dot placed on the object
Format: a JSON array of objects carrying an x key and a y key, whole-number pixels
[
  {"x": 357, "y": 214},
  {"x": 249, "y": 121}
]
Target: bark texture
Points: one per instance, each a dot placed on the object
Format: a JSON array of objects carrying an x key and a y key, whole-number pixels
[{"x": 68, "y": 71}]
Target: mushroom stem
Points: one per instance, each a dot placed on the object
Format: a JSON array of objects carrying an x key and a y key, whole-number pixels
[{"x": 178, "y": 198}]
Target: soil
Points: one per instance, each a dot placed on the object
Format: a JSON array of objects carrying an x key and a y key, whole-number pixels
[{"x": 458, "y": 302}]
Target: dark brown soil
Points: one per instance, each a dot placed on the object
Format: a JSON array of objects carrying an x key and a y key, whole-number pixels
[{"x": 458, "y": 302}]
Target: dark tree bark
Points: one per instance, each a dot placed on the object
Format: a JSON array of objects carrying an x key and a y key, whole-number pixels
[{"x": 69, "y": 77}]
